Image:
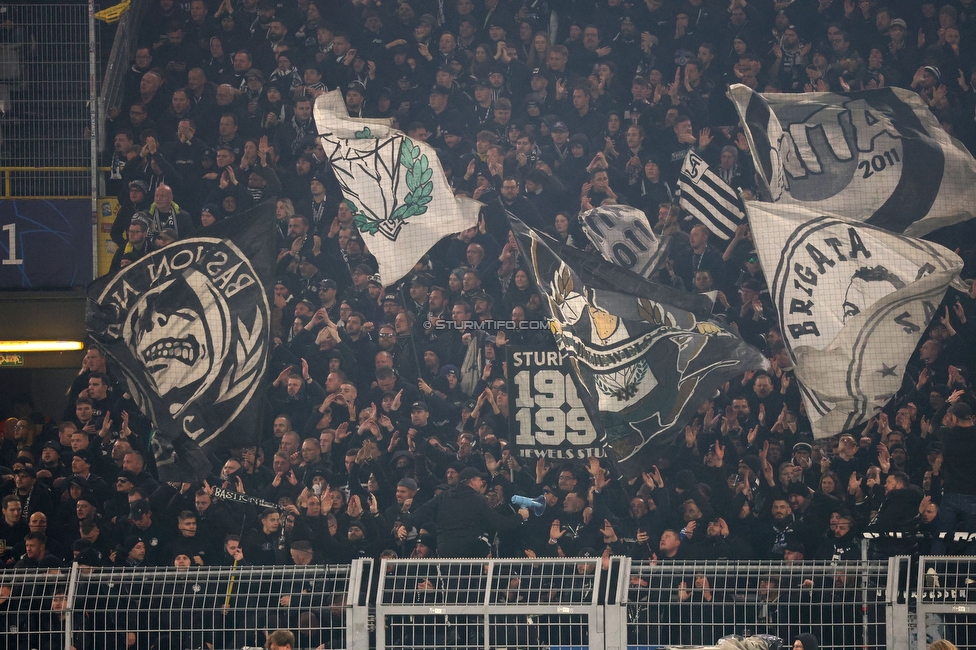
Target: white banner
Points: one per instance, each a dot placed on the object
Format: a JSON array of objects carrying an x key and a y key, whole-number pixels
[
  {"x": 853, "y": 302},
  {"x": 624, "y": 237},
  {"x": 395, "y": 187}
]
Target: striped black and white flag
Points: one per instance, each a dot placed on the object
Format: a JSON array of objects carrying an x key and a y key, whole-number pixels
[{"x": 708, "y": 198}]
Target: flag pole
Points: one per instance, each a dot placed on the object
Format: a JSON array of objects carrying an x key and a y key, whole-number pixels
[{"x": 413, "y": 339}]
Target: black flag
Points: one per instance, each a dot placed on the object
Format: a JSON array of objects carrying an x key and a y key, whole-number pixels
[
  {"x": 643, "y": 355},
  {"x": 186, "y": 328}
]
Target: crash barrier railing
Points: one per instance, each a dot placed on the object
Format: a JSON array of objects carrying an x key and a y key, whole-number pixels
[
  {"x": 694, "y": 603},
  {"x": 549, "y": 603},
  {"x": 553, "y": 603},
  {"x": 944, "y": 591},
  {"x": 205, "y": 607}
]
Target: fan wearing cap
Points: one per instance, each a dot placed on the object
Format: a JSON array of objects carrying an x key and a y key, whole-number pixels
[
  {"x": 438, "y": 113},
  {"x": 422, "y": 427},
  {"x": 138, "y": 201},
  {"x": 406, "y": 490},
  {"x": 144, "y": 525},
  {"x": 361, "y": 539},
  {"x": 464, "y": 518},
  {"x": 82, "y": 461},
  {"x": 355, "y": 98},
  {"x": 957, "y": 510},
  {"x": 322, "y": 207}
]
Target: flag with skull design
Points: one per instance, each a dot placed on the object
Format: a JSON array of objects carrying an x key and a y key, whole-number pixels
[
  {"x": 186, "y": 330},
  {"x": 644, "y": 356}
]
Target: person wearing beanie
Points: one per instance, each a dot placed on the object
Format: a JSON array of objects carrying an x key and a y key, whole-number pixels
[
  {"x": 138, "y": 201},
  {"x": 131, "y": 553},
  {"x": 736, "y": 174},
  {"x": 806, "y": 642},
  {"x": 362, "y": 538}
]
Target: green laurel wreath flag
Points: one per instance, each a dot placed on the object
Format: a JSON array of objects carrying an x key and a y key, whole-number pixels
[{"x": 419, "y": 184}]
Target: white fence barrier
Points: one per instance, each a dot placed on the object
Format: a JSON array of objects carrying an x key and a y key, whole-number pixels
[{"x": 552, "y": 603}]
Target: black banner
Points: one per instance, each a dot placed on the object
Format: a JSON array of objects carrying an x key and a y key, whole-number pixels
[
  {"x": 546, "y": 415},
  {"x": 187, "y": 329},
  {"x": 642, "y": 357},
  {"x": 237, "y": 497}
]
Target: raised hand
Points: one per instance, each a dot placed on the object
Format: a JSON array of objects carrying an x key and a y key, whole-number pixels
[
  {"x": 541, "y": 469},
  {"x": 608, "y": 532},
  {"x": 106, "y": 430},
  {"x": 884, "y": 459},
  {"x": 705, "y": 137},
  {"x": 752, "y": 435},
  {"x": 283, "y": 376},
  {"x": 556, "y": 530}
]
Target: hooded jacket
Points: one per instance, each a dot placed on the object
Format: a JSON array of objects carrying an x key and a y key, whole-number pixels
[
  {"x": 898, "y": 514},
  {"x": 463, "y": 519}
]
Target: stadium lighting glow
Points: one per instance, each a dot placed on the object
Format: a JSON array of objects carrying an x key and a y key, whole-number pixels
[{"x": 40, "y": 346}]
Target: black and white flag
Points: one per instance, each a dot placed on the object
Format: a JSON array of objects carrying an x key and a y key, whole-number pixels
[
  {"x": 708, "y": 198},
  {"x": 186, "y": 329},
  {"x": 853, "y": 302},
  {"x": 642, "y": 354},
  {"x": 624, "y": 237},
  {"x": 877, "y": 156}
]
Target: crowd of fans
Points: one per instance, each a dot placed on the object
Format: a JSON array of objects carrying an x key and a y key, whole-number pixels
[{"x": 383, "y": 434}]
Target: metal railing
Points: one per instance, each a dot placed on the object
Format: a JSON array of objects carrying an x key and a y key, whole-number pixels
[
  {"x": 495, "y": 603},
  {"x": 945, "y": 596},
  {"x": 27, "y": 182},
  {"x": 696, "y": 603}
]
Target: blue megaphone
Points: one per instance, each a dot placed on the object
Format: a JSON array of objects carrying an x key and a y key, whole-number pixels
[{"x": 536, "y": 506}]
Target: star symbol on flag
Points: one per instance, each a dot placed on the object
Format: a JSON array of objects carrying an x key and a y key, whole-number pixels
[{"x": 886, "y": 370}]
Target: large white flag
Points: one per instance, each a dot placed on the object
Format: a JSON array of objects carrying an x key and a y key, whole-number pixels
[
  {"x": 395, "y": 187},
  {"x": 853, "y": 301},
  {"x": 878, "y": 156}
]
